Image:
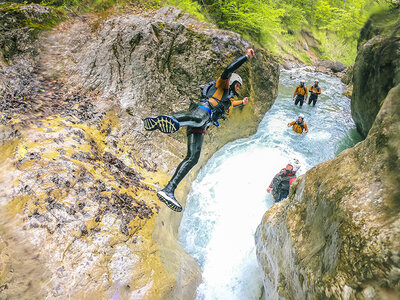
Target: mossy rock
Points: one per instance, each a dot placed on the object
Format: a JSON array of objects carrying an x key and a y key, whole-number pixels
[
  {"x": 385, "y": 23},
  {"x": 20, "y": 25}
]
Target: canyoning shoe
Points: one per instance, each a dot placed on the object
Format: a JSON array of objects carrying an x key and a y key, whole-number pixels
[
  {"x": 169, "y": 199},
  {"x": 166, "y": 124}
]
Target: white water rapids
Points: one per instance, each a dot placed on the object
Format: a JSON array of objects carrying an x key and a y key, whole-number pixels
[{"x": 229, "y": 198}]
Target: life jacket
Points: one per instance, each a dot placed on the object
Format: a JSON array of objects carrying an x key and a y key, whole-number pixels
[
  {"x": 315, "y": 89},
  {"x": 298, "y": 127},
  {"x": 301, "y": 90},
  {"x": 300, "y": 124},
  {"x": 222, "y": 105}
]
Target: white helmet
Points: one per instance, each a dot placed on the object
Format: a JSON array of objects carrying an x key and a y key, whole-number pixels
[
  {"x": 316, "y": 80},
  {"x": 235, "y": 77},
  {"x": 295, "y": 163},
  {"x": 302, "y": 81},
  {"x": 301, "y": 116}
]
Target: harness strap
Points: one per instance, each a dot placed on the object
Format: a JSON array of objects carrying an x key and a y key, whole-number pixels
[
  {"x": 199, "y": 130},
  {"x": 206, "y": 108},
  {"x": 210, "y": 112}
]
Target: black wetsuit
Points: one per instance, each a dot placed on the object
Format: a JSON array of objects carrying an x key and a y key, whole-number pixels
[
  {"x": 315, "y": 91},
  {"x": 299, "y": 96},
  {"x": 197, "y": 119},
  {"x": 281, "y": 184}
]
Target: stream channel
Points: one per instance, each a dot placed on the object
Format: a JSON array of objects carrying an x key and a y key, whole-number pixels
[{"x": 228, "y": 198}]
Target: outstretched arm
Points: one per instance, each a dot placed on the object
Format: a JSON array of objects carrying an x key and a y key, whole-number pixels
[
  {"x": 275, "y": 181},
  {"x": 237, "y": 63},
  {"x": 305, "y": 127}
]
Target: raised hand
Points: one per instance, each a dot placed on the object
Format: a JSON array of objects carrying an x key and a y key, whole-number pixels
[{"x": 250, "y": 53}]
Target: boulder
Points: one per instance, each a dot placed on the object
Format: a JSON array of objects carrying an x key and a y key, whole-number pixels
[
  {"x": 338, "y": 66},
  {"x": 328, "y": 66}
]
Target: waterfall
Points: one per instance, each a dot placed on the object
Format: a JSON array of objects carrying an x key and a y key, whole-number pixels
[{"x": 228, "y": 198}]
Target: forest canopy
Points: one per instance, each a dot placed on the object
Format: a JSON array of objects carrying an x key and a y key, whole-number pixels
[{"x": 276, "y": 25}]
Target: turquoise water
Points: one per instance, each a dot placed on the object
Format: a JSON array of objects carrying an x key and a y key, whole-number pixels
[{"x": 228, "y": 198}]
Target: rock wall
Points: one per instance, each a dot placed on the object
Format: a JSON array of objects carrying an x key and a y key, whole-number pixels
[
  {"x": 79, "y": 214},
  {"x": 337, "y": 236},
  {"x": 377, "y": 67}
]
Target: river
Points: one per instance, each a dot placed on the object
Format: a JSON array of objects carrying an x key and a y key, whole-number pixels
[{"x": 228, "y": 198}]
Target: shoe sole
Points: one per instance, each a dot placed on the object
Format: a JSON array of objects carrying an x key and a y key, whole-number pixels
[
  {"x": 165, "y": 124},
  {"x": 165, "y": 199}
]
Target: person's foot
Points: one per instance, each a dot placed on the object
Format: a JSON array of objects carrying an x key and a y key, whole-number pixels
[
  {"x": 166, "y": 124},
  {"x": 169, "y": 199}
]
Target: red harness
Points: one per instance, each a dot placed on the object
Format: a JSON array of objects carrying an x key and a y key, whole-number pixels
[{"x": 198, "y": 130}]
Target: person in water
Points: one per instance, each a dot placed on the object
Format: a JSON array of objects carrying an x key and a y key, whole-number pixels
[
  {"x": 218, "y": 100},
  {"x": 280, "y": 184},
  {"x": 315, "y": 90},
  {"x": 300, "y": 94},
  {"x": 299, "y": 126}
]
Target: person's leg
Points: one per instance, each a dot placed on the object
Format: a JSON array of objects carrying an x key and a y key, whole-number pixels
[
  {"x": 196, "y": 117},
  {"x": 296, "y": 100},
  {"x": 194, "y": 145},
  {"x": 310, "y": 99},
  {"x": 315, "y": 101},
  {"x": 301, "y": 102}
]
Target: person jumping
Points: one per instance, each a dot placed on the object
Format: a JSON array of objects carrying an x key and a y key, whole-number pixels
[{"x": 217, "y": 103}]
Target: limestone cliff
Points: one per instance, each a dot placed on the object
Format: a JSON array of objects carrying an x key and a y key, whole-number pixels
[
  {"x": 337, "y": 236},
  {"x": 79, "y": 215},
  {"x": 377, "y": 67}
]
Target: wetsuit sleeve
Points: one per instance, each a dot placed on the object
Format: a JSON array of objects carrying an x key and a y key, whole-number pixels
[
  {"x": 306, "y": 93},
  {"x": 233, "y": 67},
  {"x": 277, "y": 179},
  {"x": 305, "y": 127},
  {"x": 222, "y": 83},
  {"x": 319, "y": 90},
  {"x": 310, "y": 89},
  {"x": 236, "y": 102},
  {"x": 292, "y": 123},
  {"x": 271, "y": 185},
  {"x": 295, "y": 92}
]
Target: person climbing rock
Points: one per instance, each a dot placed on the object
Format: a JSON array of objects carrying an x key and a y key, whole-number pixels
[
  {"x": 280, "y": 184},
  {"x": 300, "y": 94},
  {"x": 315, "y": 90},
  {"x": 299, "y": 126},
  {"x": 217, "y": 102}
]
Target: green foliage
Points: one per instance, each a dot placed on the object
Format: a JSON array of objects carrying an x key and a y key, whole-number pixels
[
  {"x": 253, "y": 18},
  {"x": 340, "y": 20},
  {"x": 273, "y": 24},
  {"x": 189, "y": 6}
]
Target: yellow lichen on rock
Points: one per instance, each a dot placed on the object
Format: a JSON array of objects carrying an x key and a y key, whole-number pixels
[{"x": 54, "y": 171}]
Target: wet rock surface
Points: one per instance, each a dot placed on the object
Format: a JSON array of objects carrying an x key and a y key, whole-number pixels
[{"x": 79, "y": 175}]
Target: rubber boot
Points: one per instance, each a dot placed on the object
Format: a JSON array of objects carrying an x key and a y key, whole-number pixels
[
  {"x": 166, "y": 124},
  {"x": 166, "y": 195}
]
